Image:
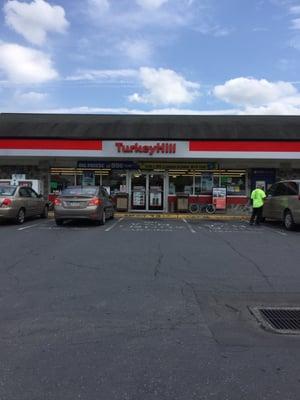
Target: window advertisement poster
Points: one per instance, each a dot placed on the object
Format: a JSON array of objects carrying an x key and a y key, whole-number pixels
[
  {"x": 219, "y": 198},
  {"x": 207, "y": 182},
  {"x": 17, "y": 177},
  {"x": 88, "y": 178},
  {"x": 26, "y": 183},
  {"x": 139, "y": 196},
  {"x": 155, "y": 196}
]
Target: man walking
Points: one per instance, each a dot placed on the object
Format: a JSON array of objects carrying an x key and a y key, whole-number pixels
[{"x": 257, "y": 197}]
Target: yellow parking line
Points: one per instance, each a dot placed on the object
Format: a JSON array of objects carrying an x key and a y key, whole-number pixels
[{"x": 214, "y": 217}]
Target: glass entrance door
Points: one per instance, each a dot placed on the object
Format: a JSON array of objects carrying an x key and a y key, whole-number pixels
[
  {"x": 155, "y": 192},
  {"x": 138, "y": 192},
  {"x": 147, "y": 192}
]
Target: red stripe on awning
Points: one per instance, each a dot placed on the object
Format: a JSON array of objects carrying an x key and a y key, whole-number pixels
[
  {"x": 50, "y": 144},
  {"x": 247, "y": 145}
]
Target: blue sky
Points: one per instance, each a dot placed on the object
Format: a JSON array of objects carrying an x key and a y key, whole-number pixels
[{"x": 150, "y": 56}]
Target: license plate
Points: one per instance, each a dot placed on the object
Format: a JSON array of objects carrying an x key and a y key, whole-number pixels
[{"x": 74, "y": 204}]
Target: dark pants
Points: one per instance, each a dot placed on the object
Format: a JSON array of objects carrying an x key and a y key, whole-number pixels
[{"x": 256, "y": 215}]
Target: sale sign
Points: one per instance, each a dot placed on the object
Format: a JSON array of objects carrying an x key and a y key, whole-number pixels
[{"x": 219, "y": 198}]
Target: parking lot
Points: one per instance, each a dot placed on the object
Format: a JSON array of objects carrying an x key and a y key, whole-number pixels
[{"x": 146, "y": 309}]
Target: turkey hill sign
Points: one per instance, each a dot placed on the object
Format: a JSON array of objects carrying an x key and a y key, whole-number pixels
[{"x": 146, "y": 149}]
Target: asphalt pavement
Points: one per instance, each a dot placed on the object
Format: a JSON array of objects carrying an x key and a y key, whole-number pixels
[{"x": 144, "y": 309}]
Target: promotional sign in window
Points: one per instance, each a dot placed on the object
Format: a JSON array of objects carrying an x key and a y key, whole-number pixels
[
  {"x": 139, "y": 196},
  {"x": 88, "y": 178},
  {"x": 25, "y": 183},
  {"x": 219, "y": 198},
  {"x": 15, "y": 178},
  {"x": 155, "y": 196}
]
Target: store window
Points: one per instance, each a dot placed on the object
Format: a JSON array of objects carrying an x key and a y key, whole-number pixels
[
  {"x": 82, "y": 179},
  {"x": 181, "y": 184},
  {"x": 60, "y": 182},
  {"x": 204, "y": 183},
  {"x": 234, "y": 183},
  {"x": 114, "y": 182}
]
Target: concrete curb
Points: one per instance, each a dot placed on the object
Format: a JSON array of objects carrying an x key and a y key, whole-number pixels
[
  {"x": 205, "y": 217},
  {"x": 209, "y": 217}
]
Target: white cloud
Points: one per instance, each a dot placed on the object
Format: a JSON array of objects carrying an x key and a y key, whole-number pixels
[
  {"x": 123, "y": 110},
  {"x": 261, "y": 97},
  {"x": 274, "y": 109},
  {"x": 138, "y": 28},
  {"x": 34, "y": 20},
  {"x": 250, "y": 91},
  {"x": 151, "y": 4},
  {"x": 137, "y": 50},
  {"x": 278, "y": 108},
  {"x": 164, "y": 86},
  {"x": 23, "y": 65},
  {"x": 295, "y": 10},
  {"x": 295, "y": 23},
  {"x": 295, "y": 42},
  {"x": 103, "y": 75},
  {"x": 30, "y": 97},
  {"x": 98, "y": 7}
]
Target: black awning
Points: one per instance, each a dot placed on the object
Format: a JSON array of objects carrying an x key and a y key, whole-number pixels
[{"x": 150, "y": 127}]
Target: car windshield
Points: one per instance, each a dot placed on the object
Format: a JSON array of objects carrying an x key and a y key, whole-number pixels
[
  {"x": 7, "y": 190},
  {"x": 80, "y": 191}
]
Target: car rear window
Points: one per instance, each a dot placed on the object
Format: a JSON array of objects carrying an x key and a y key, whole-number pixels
[
  {"x": 7, "y": 190},
  {"x": 80, "y": 191}
]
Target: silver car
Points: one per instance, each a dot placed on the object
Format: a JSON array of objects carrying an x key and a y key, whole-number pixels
[
  {"x": 283, "y": 203},
  {"x": 83, "y": 202},
  {"x": 20, "y": 202}
]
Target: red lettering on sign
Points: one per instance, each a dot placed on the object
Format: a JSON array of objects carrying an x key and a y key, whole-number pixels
[{"x": 158, "y": 148}]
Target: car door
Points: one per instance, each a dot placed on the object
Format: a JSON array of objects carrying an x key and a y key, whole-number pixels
[
  {"x": 36, "y": 201},
  {"x": 24, "y": 201},
  {"x": 107, "y": 202},
  {"x": 292, "y": 193},
  {"x": 279, "y": 201},
  {"x": 268, "y": 210}
]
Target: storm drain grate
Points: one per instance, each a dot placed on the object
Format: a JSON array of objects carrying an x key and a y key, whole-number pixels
[{"x": 279, "y": 319}]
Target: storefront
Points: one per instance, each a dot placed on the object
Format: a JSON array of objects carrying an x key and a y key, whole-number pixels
[{"x": 151, "y": 159}]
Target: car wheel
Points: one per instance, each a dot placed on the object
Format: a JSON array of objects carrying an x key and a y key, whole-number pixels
[
  {"x": 112, "y": 215},
  {"x": 45, "y": 212},
  {"x": 289, "y": 221},
  {"x": 103, "y": 218},
  {"x": 59, "y": 222},
  {"x": 20, "y": 218}
]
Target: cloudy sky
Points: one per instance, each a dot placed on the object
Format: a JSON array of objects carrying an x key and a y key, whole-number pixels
[{"x": 150, "y": 56}]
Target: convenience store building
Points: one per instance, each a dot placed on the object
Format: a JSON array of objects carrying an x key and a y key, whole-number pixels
[{"x": 153, "y": 159}]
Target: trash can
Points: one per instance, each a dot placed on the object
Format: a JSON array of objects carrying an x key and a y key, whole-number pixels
[
  {"x": 182, "y": 202},
  {"x": 122, "y": 202}
]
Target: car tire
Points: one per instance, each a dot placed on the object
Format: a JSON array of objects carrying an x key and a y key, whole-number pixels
[
  {"x": 20, "y": 218},
  {"x": 288, "y": 221},
  {"x": 45, "y": 212},
  {"x": 59, "y": 222},
  {"x": 103, "y": 218}
]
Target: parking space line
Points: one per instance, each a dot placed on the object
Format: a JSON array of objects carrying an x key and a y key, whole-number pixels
[
  {"x": 27, "y": 227},
  {"x": 115, "y": 224},
  {"x": 188, "y": 225}
]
